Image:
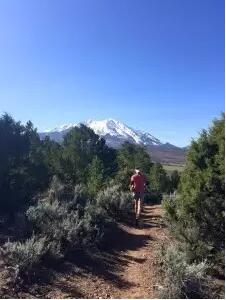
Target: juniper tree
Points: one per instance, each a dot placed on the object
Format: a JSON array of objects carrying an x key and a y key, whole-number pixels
[
  {"x": 95, "y": 176},
  {"x": 197, "y": 215},
  {"x": 158, "y": 178}
]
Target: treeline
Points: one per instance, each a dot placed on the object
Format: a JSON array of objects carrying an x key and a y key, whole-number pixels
[
  {"x": 65, "y": 196},
  {"x": 196, "y": 218},
  {"x": 28, "y": 164}
]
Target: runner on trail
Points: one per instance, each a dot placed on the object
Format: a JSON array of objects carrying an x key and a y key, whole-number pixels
[{"x": 138, "y": 184}]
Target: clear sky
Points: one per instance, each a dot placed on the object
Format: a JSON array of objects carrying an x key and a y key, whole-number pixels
[{"x": 156, "y": 65}]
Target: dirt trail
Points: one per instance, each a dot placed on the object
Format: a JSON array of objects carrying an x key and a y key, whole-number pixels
[{"x": 125, "y": 269}]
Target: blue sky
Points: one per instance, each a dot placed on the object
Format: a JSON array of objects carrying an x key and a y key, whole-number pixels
[{"x": 156, "y": 65}]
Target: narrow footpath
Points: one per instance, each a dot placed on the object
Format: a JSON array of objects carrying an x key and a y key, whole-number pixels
[{"x": 128, "y": 270}]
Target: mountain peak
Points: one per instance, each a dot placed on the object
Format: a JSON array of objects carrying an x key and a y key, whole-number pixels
[
  {"x": 105, "y": 121},
  {"x": 112, "y": 130}
]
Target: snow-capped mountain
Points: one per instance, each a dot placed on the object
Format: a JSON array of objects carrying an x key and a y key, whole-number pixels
[
  {"x": 114, "y": 128},
  {"x": 114, "y": 132}
]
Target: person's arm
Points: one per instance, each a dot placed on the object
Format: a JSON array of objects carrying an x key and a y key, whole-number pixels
[{"x": 131, "y": 183}]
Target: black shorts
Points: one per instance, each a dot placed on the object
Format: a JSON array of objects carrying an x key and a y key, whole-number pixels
[{"x": 138, "y": 196}]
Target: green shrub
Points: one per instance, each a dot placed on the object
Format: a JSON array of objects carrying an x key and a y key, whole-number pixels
[
  {"x": 65, "y": 219},
  {"x": 94, "y": 224},
  {"x": 95, "y": 178},
  {"x": 182, "y": 279},
  {"x": 53, "y": 251},
  {"x": 80, "y": 196},
  {"x": 56, "y": 222},
  {"x": 70, "y": 223},
  {"x": 115, "y": 202},
  {"x": 23, "y": 257},
  {"x": 153, "y": 197}
]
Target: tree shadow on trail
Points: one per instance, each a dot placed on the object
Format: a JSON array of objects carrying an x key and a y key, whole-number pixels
[
  {"x": 123, "y": 238},
  {"x": 111, "y": 258},
  {"x": 109, "y": 261},
  {"x": 69, "y": 289},
  {"x": 150, "y": 220}
]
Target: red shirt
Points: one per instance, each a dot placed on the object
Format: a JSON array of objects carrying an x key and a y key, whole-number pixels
[{"x": 138, "y": 183}]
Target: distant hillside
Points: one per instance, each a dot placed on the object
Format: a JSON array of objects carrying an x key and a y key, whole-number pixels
[{"x": 167, "y": 154}]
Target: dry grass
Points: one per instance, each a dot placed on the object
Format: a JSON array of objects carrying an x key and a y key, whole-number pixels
[{"x": 171, "y": 168}]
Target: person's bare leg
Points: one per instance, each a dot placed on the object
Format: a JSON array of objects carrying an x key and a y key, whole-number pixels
[
  {"x": 138, "y": 209},
  {"x": 141, "y": 205},
  {"x": 142, "y": 202},
  {"x": 135, "y": 207}
]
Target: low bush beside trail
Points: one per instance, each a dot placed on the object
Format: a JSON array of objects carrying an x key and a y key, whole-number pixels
[
  {"x": 114, "y": 201},
  {"x": 64, "y": 219},
  {"x": 182, "y": 279},
  {"x": 23, "y": 257}
]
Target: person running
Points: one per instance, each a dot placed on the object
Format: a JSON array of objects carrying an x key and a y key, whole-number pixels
[{"x": 138, "y": 183}]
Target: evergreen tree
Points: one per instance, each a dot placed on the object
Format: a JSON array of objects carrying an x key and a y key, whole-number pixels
[
  {"x": 52, "y": 152},
  {"x": 95, "y": 176},
  {"x": 197, "y": 215},
  {"x": 22, "y": 170},
  {"x": 174, "y": 180},
  {"x": 80, "y": 146},
  {"x": 131, "y": 156},
  {"x": 158, "y": 178}
]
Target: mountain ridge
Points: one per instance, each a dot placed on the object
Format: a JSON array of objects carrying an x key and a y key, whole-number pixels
[{"x": 116, "y": 133}]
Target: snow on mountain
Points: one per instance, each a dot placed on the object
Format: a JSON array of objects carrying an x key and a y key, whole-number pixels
[
  {"x": 115, "y": 128},
  {"x": 112, "y": 130},
  {"x": 62, "y": 128}
]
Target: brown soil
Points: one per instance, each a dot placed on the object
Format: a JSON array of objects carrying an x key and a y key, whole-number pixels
[{"x": 125, "y": 269}]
